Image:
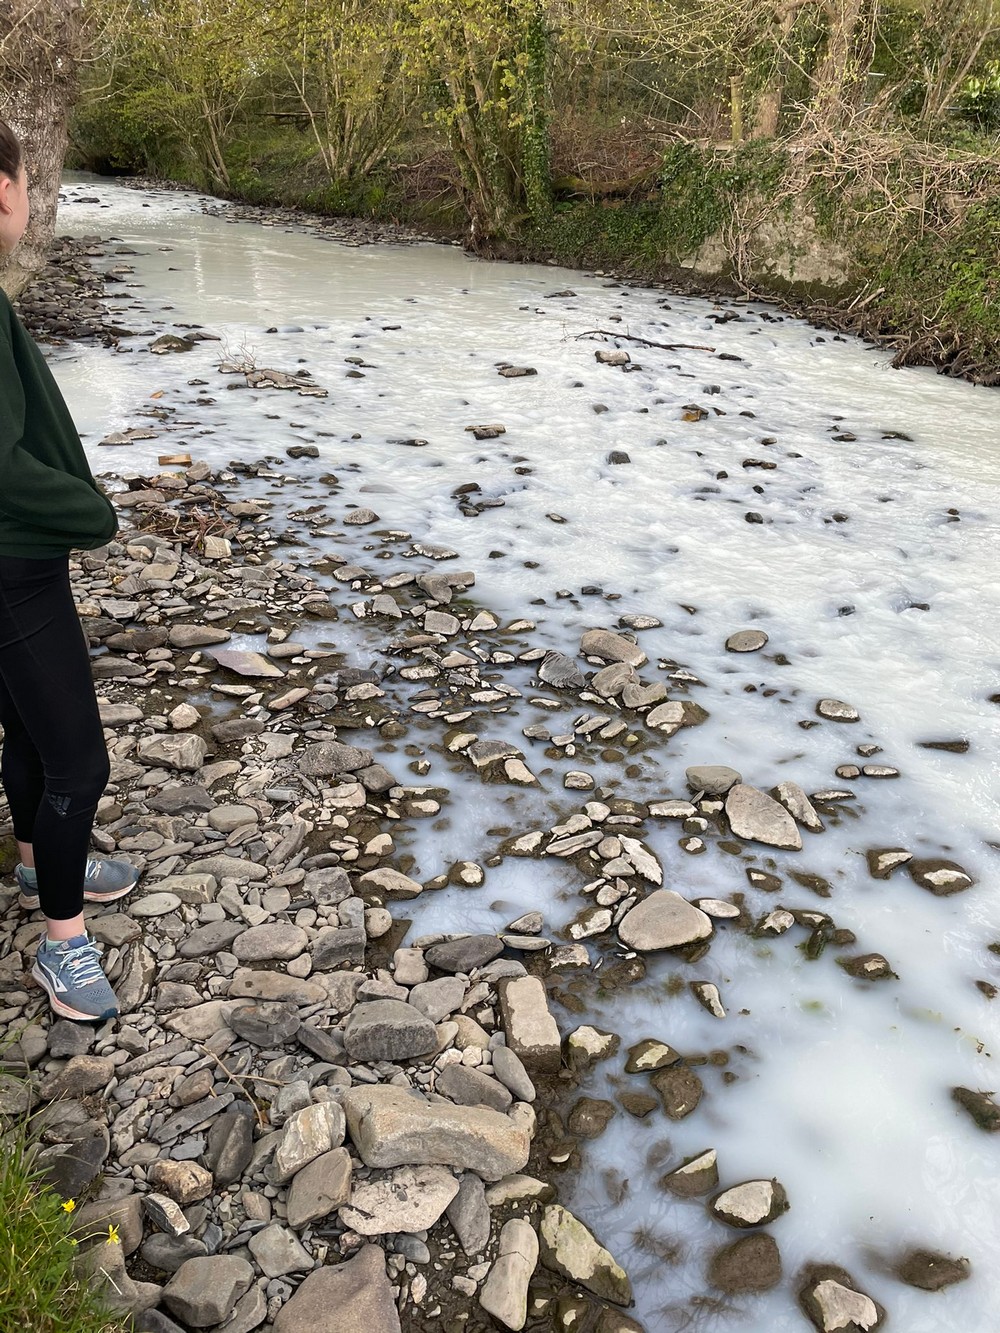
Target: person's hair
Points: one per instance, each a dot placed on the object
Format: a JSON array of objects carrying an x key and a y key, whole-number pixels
[{"x": 11, "y": 157}]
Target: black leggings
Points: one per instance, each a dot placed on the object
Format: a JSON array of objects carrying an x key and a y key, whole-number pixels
[{"x": 55, "y": 762}]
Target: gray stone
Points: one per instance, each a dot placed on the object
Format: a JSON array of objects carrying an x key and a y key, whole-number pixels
[
  {"x": 167, "y": 1253},
  {"x": 469, "y": 1214},
  {"x": 196, "y": 636},
  {"x": 243, "y": 663},
  {"x": 712, "y": 779},
  {"x": 752, "y": 1203},
  {"x": 320, "y": 1187},
  {"x": 505, "y": 1292},
  {"x": 230, "y": 1144},
  {"x": 71, "y": 1167},
  {"x": 509, "y": 1069},
  {"x": 391, "y": 882},
  {"x": 611, "y": 647},
  {"x": 204, "y": 1292},
  {"x": 411, "y": 1198},
  {"x": 561, "y": 672},
  {"x": 78, "y": 1076},
  {"x": 266, "y": 1022},
  {"x": 279, "y": 1251},
  {"x": 468, "y": 1087},
  {"x": 338, "y": 946},
  {"x": 753, "y": 814},
  {"x": 940, "y": 876},
  {"x": 274, "y": 940},
  {"x": 437, "y": 999},
  {"x": 464, "y": 954},
  {"x": 752, "y": 1263},
  {"x": 350, "y": 1295},
  {"x": 178, "y": 752},
  {"x": 664, "y": 920},
  {"x": 698, "y": 1175},
  {"x": 307, "y": 1134},
  {"x": 798, "y": 805},
  {"x": 325, "y": 759},
  {"x": 829, "y": 1298},
  {"x": 388, "y": 1030},
  {"x": 746, "y": 641},
  {"x": 835, "y": 710},
  {"x": 212, "y": 938},
  {"x": 396, "y": 1126},
  {"x": 530, "y": 1029},
  {"x": 569, "y": 1249}
]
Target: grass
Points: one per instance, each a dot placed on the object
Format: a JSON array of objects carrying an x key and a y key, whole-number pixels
[{"x": 39, "y": 1290}]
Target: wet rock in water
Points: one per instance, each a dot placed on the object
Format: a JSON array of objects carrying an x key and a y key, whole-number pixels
[
  {"x": 590, "y": 1117},
  {"x": 709, "y": 997},
  {"x": 753, "y": 814},
  {"x": 530, "y": 1029},
  {"x": 680, "y": 1090},
  {"x": 712, "y": 779},
  {"x": 882, "y": 861},
  {"x": 395, "y": 1126},
  {"x": 586, "y": 1045},
  {"x": 981, "y": 1106},
  {"x": 204, "y": 1291},
  {"x": 930, "y": 1271},
  {"x": 941, "y": 877},
  {"x": 753, "y": 1203},
  {"x": 752, "y": 1263},
  {"x": 746, "y": 641},
  {"x": 569, "y": 1249},
  {"x": 355, "y": 1294},
  {"x": 868, "y": 967},
  {"x": 798, "y": 805},
  {"x": 697, "y": 1175},
  {"x": 664, "y": 920},
  {"x": 505, "y": 1293},
  {"x": 388, "y": 1030},
  {"x": 611, "y": 647},
  {"x": 409, "y": 1199},
  {"x": 252, "y": 665},
  {"x": 638, "y": 1104},
  {"x": 829, "y": 1297},
  {"x": 650, "y": 1054},
  {"x": 561, "y": 672},
  {"x": 170, "y": 342},
  {"x": 835, "y": 710}
]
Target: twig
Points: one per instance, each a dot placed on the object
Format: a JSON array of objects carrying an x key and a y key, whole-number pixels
[{"x": 646, "y": 342}]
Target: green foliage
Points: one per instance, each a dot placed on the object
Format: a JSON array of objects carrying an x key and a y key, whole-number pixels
[
  {"x": 700, "y": 188},
  {"x": 39, "y": 1292},
  {"x": 979, "y": 102}
]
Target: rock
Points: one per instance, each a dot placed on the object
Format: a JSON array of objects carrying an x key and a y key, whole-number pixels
[
  {"x": 306, "y": 1135},
  {"x": 829, "y": 1298},
  {"x": 650, "y": 1054},
  {"x": 611, "y": 647},
  {"x": 395, "y": 1126},
  {"x": 338, "y": 946},
  {"x": 561, "y": 672},
  {"x": 91, "y": 1222},
  {"x": 78, "y": 1076},
  {"x": 278, "y": 1251},
  {"x": 438, "y": 999},
  {"x": 798, "y": 805},
  {"x": 586, "y": 1045},
  {"x": 590, "y": 1117},
  {"x": 530, "y": 1029},
  {"x": 273, "y": 940},
  {"x": 664, "y": 920},
  {"x": 185, "y": 1182},
  {"x": 71, "y": 1167},
  {"x": 320, "y": 1187},
  {"x": 325, "y": 759},
  {"x": 940, "y": 876},
  {"x": 266, "y": 1022},
  {"x": 930, "y": 1271},
  {"x": 464, "y": 954},
  {"x": 468, "y": 1087},
  {"x": 510, "y": 1070},
  {"x": 196, "y": 636},
  {"x": 253, "y": 665},
  {"x": 505, "y": 1293},
  {"x": 179, "y": 752},
  {"x": 388, "y": 1030},
  {"x": 835, "y": 710},
  {"x": 746, "y": 641},
  {"x": 204, "y": 1291},
  {"x": 752, "y": 1263},
  {"x": 680, "y": 1090},
  {"x": 168, "y": 1252},
  {"x": 667, "y": 717},
  {"x": 411, "y": 1198},
  {"x": 868, "y": 967},
  {"x": 230, "y": 1144},
  {"x": 569, "y": 1249},
  {"x": 391, "y": 882},
  {"x": 981, "y": 1106},
  {"x": 469, "y": 1214},
  {"x": 753, "y": 1203},
  {"x": 697, "y": 1175},
  {"x": 882, "y": 861},
  {"x": 154, "y": 904},
  {"x": 712, "y": 779},
  {"x": 350, "y": 1295},
  {"x": 754, "y": 815},
  {"x": 165, "y": 1213}
]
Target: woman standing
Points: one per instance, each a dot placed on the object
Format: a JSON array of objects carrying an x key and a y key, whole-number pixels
[{"x": 54, "y": 766}]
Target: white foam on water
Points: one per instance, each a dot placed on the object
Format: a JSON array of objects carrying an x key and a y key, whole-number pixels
[{"x": 867, "y": 583}]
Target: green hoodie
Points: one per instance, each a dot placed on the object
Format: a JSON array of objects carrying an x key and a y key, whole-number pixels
[{"x": 50, "y": 503}]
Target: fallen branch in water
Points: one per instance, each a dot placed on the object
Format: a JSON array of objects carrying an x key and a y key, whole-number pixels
[{"x": 646, "y": 342}]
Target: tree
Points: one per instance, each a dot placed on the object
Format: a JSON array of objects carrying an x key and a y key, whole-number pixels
[{"x": 39, "y": 48}]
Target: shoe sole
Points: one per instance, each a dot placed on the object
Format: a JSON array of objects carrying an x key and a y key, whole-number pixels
[
  {"x": 67, "y": 1011},
  {"x": 30, "y": 904}
]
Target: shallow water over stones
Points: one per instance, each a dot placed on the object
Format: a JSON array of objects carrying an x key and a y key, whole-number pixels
[{"x": 867, "y": 575}]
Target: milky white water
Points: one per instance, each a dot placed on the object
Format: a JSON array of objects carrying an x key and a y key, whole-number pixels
[{"x": 842, "y": 1089}]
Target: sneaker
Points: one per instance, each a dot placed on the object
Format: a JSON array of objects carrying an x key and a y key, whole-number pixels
[
  {"x": 103, "y": 882},
  {"x": 71, "y": 972}
]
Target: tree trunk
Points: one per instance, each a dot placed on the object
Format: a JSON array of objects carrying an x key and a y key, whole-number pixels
[{"x": 39, "y": 47}]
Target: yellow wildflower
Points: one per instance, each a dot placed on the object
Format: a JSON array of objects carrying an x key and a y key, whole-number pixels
[
  {"x": 69, "y": 1205},
  {"x": 113, "y": 1237}
]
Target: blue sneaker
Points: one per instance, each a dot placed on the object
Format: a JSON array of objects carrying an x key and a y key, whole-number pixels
[
  {"x": 103, "y": 882},
  {"x": 72, "y": 975}
]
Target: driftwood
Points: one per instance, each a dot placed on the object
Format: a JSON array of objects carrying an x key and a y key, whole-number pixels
[{"x": 645, "y": 342}]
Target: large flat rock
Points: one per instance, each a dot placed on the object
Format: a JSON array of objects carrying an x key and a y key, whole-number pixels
[
  {"x": 755, "y": 815},
  {"x": 355, "y": 1295},
  {"x": 664, "y": 920}
]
